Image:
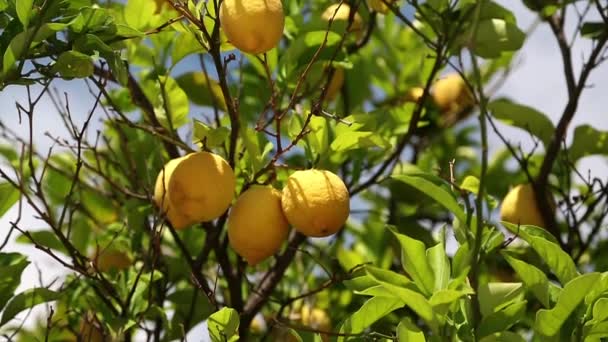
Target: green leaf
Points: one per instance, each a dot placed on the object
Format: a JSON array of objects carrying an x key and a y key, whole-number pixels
[
  {"x": 440, "y": 264},
  {"x": 356, "y": 140},
  {"x": 24, "y": 11},
  {"x": 495, "y": 36},
  {"x": 413, "y": 299},
  {"x": 91, "y": 19},
  {"x": 505, "y": 336},
  {"x": 600, "y": 310},
  {"x": 594, "y": 30},
  {"x": 588, "y": 141},
  {"x": 118, "y": 67},
  {"x": 534, "y": 279},
  {"x": 44, "y": 238},
  {"x": 413, "y": 257},
  {"x": 596, "y": 332},
  {"x": 549, "y": 322},
  {"x": 409, "y": 332},
  {"x": 388, "y": 276},
  {"x": 19, "y": 45},
  {"x": 9, "y": 195},
  {"x": 470, "y": 184},
  {"x": 446, "y": 297},
  {"x": 372, "y": 310},
  {"x": 170, "y": 101},
  {"x": 494, "y": 296},
  {"x": 223, "y": 325},
  {"x": 502, "y": 319},
  {"x": 431, "y": 186},
  {"x": 26, "y": 300},
  {"x": 202, "y": 89},
  {"x": 210, "y": 136},
  {"x": 138, "y": 13},
  {"x": 186, "y": 44},
  {"x": 524, "y": 117},
  {"x": 11, "y": 267},
  {"x": 303, "y": 48},
  {"x": 73, "y": 64},
  {"x": 189, "y": 305},
  {"x": 558, "y": 261}
]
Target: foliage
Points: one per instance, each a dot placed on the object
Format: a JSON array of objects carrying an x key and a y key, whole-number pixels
[{"x": 165, "y": 81}]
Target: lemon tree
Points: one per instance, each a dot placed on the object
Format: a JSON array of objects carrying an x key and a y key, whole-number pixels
[{"x": 303, "y": 170}]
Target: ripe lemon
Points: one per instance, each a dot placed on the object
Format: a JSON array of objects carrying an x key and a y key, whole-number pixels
[
  {"x": 161, "y": 197},
  {"x": 451, "y": 94},
  {"x": 252, "y": 26},
  {"x": 316, "y": 319},
  {"x": 414, "y": 94},
  {"x": 379, "y": 5},
  {"x": 335, "y": 84},
  {"x": 108, "y": 259},
  {"x": 256, "y": 225},
  {"x": 519, "y": 207},
  {"x": 315, "y": 202},
  {"x": 342, "y": 14},
  {"x": 201, "y": 186}
]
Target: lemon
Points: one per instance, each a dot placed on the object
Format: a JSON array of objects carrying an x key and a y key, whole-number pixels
[
  {"x": 414, "y": 94},
  {"x": 108, "y": 259},
  {"x": 201, "y": 186},
  {"x": 342, "y": 14},
  {"x": 195, "y": 188},
  {"x": 451, "y": 94},
  {"x": 379, "y": 5},
  {"x": 335, "y": 84},
  {"x": 256, "y": 225},
  {"x": 252, "y": 26},
  {"x": 315, "y": 202},
  {"x": 519, "y": 207},
  {"x": 317, "y": 319},
  {"x": 161, "y": 198}
]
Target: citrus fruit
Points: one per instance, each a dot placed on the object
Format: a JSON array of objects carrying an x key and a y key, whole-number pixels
[
  {"x": 256, "y": 225},
  {"x": 519, "y": 207},
  {"x": 252, "y": 26},
  {"x": 315, "y": 202},
  {"x": 342, "y": 13}
]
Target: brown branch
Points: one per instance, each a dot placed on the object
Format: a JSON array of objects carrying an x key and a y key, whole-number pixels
[{"x": 260, "y": 296}]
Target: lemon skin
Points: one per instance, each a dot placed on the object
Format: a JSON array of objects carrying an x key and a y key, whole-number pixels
[
  {"x": 315, "y": 202},
  {"x": 201, "y": 186},
  {"x": 252, "y": 26},
  {"x": 256, "y": 225},
  {"x": 519, "y": 207},
  {"x": 343, "y": 13}
]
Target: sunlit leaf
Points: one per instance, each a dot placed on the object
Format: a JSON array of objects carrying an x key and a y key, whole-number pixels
[
  {"x": 549, "y": 321},
  {"x": 524, "y": 117},
  {"x": 26, "y": 300},
  {"x": 223, "y": 325}
]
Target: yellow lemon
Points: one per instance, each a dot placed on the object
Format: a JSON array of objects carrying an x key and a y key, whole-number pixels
[
  {"x": 379, "y": 5},
  {"x": 161, "y": 197},
  {"x": 414, "y": 94},
  {"x": 316, "y": 319},
  {"x": 315, "y": 202},
  {"x": 451, "y": 94},
  {"x": 109, "y": 258},
  {"x": 335, "y": 84},
  {"x": 252, "y": 26},
  {"x": 201, "y": 186},
  {"x": 256, "y": 225},
  {"x": 519, "y": 207},
  {"x": 342, "y": 14}
]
